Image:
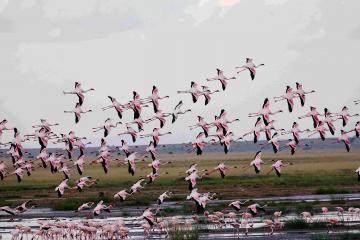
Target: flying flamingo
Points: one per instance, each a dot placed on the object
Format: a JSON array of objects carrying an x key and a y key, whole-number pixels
[
  {"x": 84, "y": 182},
  {"x": 275, "y": 142},
  {"x": 194, "y": 91},
  {"x": 152, "y": 150},
  {"x": 46, "y": 125},
  {"x": 122, "y": 195},
  {"x": 268, "y": 128},
  {"x": 255, "y": 208},
  {"x": 345, "y": 139},
  {"x": 191, "y": 169},
  {"x": 221, "y": 77},
  {"x": 101, "y": 207},
  {"x": 164, "y": 196},
  {"x": 136, "y": 104},
  {"x": 191, "y": 179},
  {"x": 107, "y": 127},
  {"x": 265, "y": 112},
  {"x": 136, "y": 187},
  {"x": 221, "y": 168},
  {"x": 345, "y": 116},
  {"x": 131, "y": 132},
  {"x": 256, "y": 131},
  {"x": 314, "y": 115},
  {"x": 295, "y": 131},
  {"x": 250, "y": 65},
  {"x": 226, "y": 141},
  {"x": 131, "y": 162},
  {"x": 118, "y": 107},
  {"x": 61, "y": 188},
  {"x": 2, "y": 170},
  {"x": 256, "y": 163},
  {"x": 289, "y": 97},
  {"x": 78, "y": 111},
  {"x": 125, "y": 148},
  {"x": 237, "y": 204},
  {"x": 301, "y": 93},
  {"x": 277, "y": 167},
  {"x": 177, "y": 111},
  {"x": 154, "y": 98},
  {"x": 139, "y": 122},
  {"x": 3, "y": 127},
  {"x": 161, "y": 116},
  {"x": 79, "y": 92},
  {"x": 201, "y": 123},
  {"x": 329, "y": 121},
  {"x": 84, "y": 206},
  {"x": 206, "y": 92},
  {"x": 358, "y": 173},
  {"x": 155, "y": 136},
  {"x": 321, "y": 130}
]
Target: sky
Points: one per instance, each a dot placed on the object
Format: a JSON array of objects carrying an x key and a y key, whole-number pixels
[{"x": 118, "y": 46}]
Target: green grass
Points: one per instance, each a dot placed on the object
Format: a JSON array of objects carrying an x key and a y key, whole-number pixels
[{"x": 181, "y": 233}]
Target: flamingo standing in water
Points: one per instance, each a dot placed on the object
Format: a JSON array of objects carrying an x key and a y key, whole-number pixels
[
  {"x": 250, "y": 65},
  {"x": 79, "y": 92},
  {"x": 314, "y": 115},
  {"x": 277, "y": 167},
  {"x": 194, "y": 91},
  {"x": 177, "y": 111},
  {"x": 78, "y": 111},
  {"x": 206, "y": 92},
  {"x": 265, "y": 112},
  {"x": 256, "y": 163},
  {"x": 301, "y": 93},
  {"x": 221, "y": 77},
  {"x": 118, "y": 107},
  {"x": 154, "y": 98},
  {"x": 289, "y": 97},
  {"x": 107, "y": 127}
]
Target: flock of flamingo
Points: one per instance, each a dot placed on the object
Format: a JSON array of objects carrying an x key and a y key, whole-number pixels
[{"x": 210, "y": 133}]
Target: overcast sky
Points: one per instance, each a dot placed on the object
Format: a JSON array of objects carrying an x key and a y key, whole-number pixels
[{"x": 119, "y": 46}]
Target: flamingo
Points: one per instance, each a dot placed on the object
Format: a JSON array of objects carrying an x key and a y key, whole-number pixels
[
  {"x": 191, "y": 179},
  {"x": 289, "y": 97},
  {"x": 79, "y": 92},
  {"x": 120, "y": 108},
  {"x": 250, "y": 65},
  {"x": 131, "y": 161},
  {"x": 177, "y": 111},
  {"x": 268, "y": 129},
  {"x": 293, "y": 146},
  {"x": 152, "y": 150},
  {"x": 152, "y": 177},
  {"x": 163, "y": 196},
  {"x": 358, "y": 173},
  {"x": 221, "y": 77},
  {"x": 329, "y": 121},
  {"x": 221, "y": 168},
  {"x": 321, "y": 130},
  {"x": 275, "y": 142},
  {"x": 139, "y": 122},
  {"x": 122, "y": 195},
  {"x": 226, "y": 141},
  {"x": 277, "y": 167},
  {"x": 256, "y": 130},
  {"x": 23, "y": 208},
  {"x": 191, "y": 169},
  {"x": 125, "y": 148},
  {"x": 155, "y": 165},
  {"x": 206, "y": 92},
  {"x": 3, "y": 127},
  {"x": 61, "y": 188},
  {"x": 78, "y": 111},
  {"x": 107, "y": 127},
  {"x": 80, "y": 145},
  {"x": 154, "y": 98},
  {"x": 307, "y": 216},
  {"x": 201, "y": 123},
  {"x": 345, "y": 139},
  {"x": 131, "y": 132},
  {"x": 256, "y": 163},
  {"x": 155, "y": 136},
  {"x": 46, "y": 125},
  {"x": 137, "y": 186},
  {"x": 345, "y": 116},
  {"x": 161, "y": 116},
  {"x": 314, "y": 115},
  {"x": 101, "y": 207},
  {"x": 136, "y": 104},
  {"x": 84, "y": 182},
  {"x": 2, "y": 170},
  {"x": 84, "y": 206},
  {"x": 237, "y": 204},
  {"x": 194, "y": 91},
  {"x": 149, "y": 216},
  {"x": 301, "y": 93},
  {"x": 265, "y": 112},
  {"x": 295, "y": 131},
  {"x": 357, "y": 129},
  {"x": 255, "y": 208}
]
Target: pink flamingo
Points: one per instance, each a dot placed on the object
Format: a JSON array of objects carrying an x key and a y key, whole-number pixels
[
  {"x": 177, "y": 111},
  {"x": 314, "y": 115},
  {"x": 301, "y": 93},
  {"x": 221, "y": 77},
  {"x": 194, "y": 91},
  {"x": 256, "y": 130},
  {"x": 256, "y": 163},
  {"x": 161, "y": 116},
  {"x": 131, "y": 132},
  {"x": 107, "y": 127},
  {"x": 78, "y": 111},
  {"x": 154, "y": 98},
  {"x": 265, "y": 112},
  {"x": 289, "y": 97},
  {"x": 155, "y": 136},
  {"x": 206, "y": 92},
  {"x": 122, "y": 195},
  {"x": 250, "y": 65},
  {"x": 61, "y": 188},
  {"x": 277, "y": 167},
  {"x": 221, "y": 168},
  {"x": 120, "y": 108},
  {"x": 79, "y": 92},
  {"x": 201, "y": 123},
  {"x": 321, "y": 130}
]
